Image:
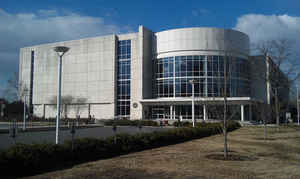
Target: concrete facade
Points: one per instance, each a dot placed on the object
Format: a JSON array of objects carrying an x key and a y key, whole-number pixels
[
  {"x": 90, "y": 71},
  {"x": 201, "y": 41}
]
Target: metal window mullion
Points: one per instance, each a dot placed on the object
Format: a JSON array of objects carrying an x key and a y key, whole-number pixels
[
  {"x": 205, "y": 66},
  {"x": 174, "y": 81}
]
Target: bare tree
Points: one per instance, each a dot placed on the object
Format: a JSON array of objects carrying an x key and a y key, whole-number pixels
[
  {"x": 79, "y": 104},
  {"x": 222, "y": 111},
  {"x": 226, "y": 73},
  {"x": 282, "y": 71},
  {"x": 263, "y": 113},
  {"x": 65, "y": 101},
  {"x": 14, "y": 89}
]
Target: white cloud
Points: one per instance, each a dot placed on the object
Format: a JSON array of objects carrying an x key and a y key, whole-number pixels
[
  {"x": 44, "y": 26},
  {"x": 273, "y": 27},
  {"x": 268, "y": 27}
]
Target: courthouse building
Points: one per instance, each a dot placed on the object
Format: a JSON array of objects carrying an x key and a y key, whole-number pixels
[{"x": 146, "y": 75}]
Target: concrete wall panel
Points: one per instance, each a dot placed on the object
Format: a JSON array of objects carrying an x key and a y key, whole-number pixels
[
  {"x": 201, "y": 39},
  {"x": 88, "y": 60}
]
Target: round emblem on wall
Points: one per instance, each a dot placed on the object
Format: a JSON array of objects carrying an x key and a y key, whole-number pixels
[{"x": 135, "y": 105}]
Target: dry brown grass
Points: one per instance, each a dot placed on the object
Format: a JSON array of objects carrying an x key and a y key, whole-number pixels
[{"x": 278, "y": 157}]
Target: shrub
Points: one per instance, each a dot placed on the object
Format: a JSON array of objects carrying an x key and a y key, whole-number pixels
[
  {"x": 126, "y": 122},
  {"x": 182, "y": 124},
  {"x": 37, "y": 158},
  {"x": 231, "y": 124}
]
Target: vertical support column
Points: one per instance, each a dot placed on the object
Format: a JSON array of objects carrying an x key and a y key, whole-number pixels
[
  {"x": 204, "y": 113},
  {"x": 171, "y": 112},
  {"x": 250, "y": 112},
  {"x": 174, "y": 113},
  {"x": 89, "y": 110},
  {"x": 242, "y": 113},
  {"x": 44, "y": 111},
  {"x": 174, "y": 75},
  {"x": 193, "y": 103},
  {"x": 205, "y": 70}
]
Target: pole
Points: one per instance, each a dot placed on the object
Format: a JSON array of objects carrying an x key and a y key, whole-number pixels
[
  {"x": 193, "y": 104},
  {"x": 298, "y": 106},
  {"x": 204, "y": 113},
  {"x": 58, "y": 100},
  {"x": 225, "y": 108},
  {"x": 24, "y": 121}
]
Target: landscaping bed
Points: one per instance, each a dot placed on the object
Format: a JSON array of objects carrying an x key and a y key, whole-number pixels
[
  {"x": 38, "y": 158},
  {"x": 276, "y": 159}
]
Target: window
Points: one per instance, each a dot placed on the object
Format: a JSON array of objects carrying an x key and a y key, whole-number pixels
[
  {"x": 196, "y": 67},
  {"x": 123, "y": 75}
]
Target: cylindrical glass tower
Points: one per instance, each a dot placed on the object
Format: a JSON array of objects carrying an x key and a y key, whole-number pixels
[{"x": 199, "y": 54}]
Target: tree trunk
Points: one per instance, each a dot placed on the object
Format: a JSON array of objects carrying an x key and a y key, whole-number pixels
[
  {"x": 266, "y": 115},
  {"x": 265, "y": 130},
  {"x": 277, "y": 107}
]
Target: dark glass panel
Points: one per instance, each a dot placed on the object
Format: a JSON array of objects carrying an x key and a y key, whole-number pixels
[
  {"x": 189, "y": 89},
  {"x": 197, "y": 89},
  {"x": 189, "y": 67},
  {"x": 165, "y": 69},
  {"x": 177, "y": 67},
  {"x": 171, "y": 67}
]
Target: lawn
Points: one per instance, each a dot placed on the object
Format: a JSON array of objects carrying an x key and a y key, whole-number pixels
[{"x": 278, "y": 157}]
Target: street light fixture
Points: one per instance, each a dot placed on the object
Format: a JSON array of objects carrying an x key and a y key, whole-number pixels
[
  {"x": 193, "y": 100},
  {"x": 25, "y": 93},
  {"x": 61, "y": 50}
]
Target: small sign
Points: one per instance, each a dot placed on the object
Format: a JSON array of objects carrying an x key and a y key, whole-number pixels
[{"x": 288, "y": 115}]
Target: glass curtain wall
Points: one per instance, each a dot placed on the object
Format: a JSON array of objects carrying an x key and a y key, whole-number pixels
[
  {"x": 123, "y": 78},
  {"x": 173, "y": 75},
  {"x": 172, "y": 80}
]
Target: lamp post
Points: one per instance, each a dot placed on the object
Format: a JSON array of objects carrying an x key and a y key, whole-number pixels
[
  {"x": 193, "y": 100},
  {"x": 25, "y": 91},
  {"x": 298, "y": 106},
  {"x": 61, "y": 50}
]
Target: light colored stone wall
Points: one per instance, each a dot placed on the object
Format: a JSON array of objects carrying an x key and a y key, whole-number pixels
[
  {"x": 25, "y": 71},
  {"x": 88, "y": 72},
  {"x": 201, "y": 41},
  {"x": 141, "y": 71}
]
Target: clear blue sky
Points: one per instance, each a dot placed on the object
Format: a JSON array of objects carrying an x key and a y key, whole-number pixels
[{"x": 31, "y": 22}]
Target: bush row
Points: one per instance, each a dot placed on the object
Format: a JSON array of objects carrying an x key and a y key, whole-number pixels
[
  {"x": 203, "y": 124},
  {"x": 126, "y": 122},
  {"x": 37, "y": 158}
]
